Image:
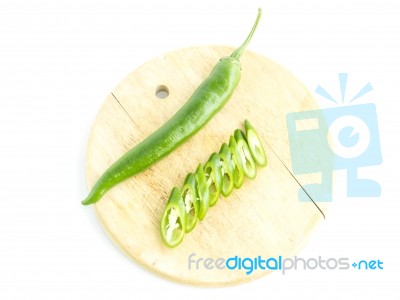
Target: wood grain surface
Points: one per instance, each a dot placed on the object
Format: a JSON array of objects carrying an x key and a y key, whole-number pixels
[{"x": 263, "y": 218}]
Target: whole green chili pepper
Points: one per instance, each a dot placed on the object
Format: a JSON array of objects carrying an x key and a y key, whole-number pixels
[{"x": 205, "y": 102}]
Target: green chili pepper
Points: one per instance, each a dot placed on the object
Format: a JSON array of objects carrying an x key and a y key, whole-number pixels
[
  {"x": 205, "y": 102},
  {"x": 220, "y": 174},
  {"x": 173, "y": 222},
  {"x": 213, "y": 175},
  {"x": 202, "y": 192},
  {"x": 255, "y": 145},
  {"x": 190, "y": 199},
  {"x": 227, "y": 169},
  {"x": 249, "y": 166},
  {"x": 238, "y": 172}
]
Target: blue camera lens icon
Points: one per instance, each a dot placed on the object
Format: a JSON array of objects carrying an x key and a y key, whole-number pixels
[{"x": 345, "y": 137}]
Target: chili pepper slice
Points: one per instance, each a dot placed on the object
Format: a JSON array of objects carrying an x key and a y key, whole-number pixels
[
  {"x": 190, "y": 199},
  {"x": 255, "y": 145},
  {"x": 173, "y": 222},
  {"x": 227, "y": 169},
  {"x": 238, "y": 173},
  {"x": 213, "y": 175},
  {"x": 249, "y": 166},
  {"x": 202, "y": 192}
]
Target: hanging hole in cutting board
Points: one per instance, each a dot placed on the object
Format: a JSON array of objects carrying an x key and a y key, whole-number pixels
[{"x": 162, "y": 92}]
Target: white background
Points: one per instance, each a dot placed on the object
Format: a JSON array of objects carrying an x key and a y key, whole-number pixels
[{"x": 59, "y": 60}]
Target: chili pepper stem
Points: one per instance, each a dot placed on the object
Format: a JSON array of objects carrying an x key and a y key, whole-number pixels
[{"x": 238, "y": 52}]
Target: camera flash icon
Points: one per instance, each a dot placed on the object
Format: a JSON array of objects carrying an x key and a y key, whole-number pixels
[{"x": 342, "y": 137}]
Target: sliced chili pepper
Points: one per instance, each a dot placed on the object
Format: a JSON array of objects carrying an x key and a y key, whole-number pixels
[
  {"x": 238, "y": 173},
  {"x": 227, "y": 169},
  {"x": 213, "y": 175},
  {"x": 190, "y": 199},
  {"x": 255, "y": 145},
  {"x": 249, "y": 166},
  {"x": 219, "y": 175},
  {"x": 173, "y": 222},
  {"x": 202, "y": 192}
]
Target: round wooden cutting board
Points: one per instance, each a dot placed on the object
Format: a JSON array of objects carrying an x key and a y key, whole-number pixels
[{"x": 263, "y": 218}]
